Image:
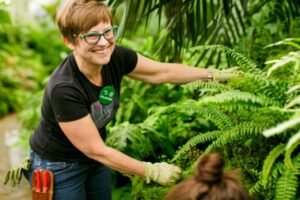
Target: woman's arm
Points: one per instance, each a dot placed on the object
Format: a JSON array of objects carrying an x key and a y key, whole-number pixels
[
  {"x": 154, "y": 72},
  {"x": 84, "y": 135}
]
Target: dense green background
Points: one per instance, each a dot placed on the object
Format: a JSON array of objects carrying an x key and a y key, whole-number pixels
[{"x": 252, "y": 121}]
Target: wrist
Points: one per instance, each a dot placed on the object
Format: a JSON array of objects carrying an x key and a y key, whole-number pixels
[{"x": 210, "y": 76}]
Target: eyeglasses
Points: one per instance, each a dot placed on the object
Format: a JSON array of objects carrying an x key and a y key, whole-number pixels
[{"x": 93, "y": 37}]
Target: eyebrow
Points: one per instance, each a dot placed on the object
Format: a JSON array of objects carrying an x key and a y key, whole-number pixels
[{"x": 100, "y": 31}]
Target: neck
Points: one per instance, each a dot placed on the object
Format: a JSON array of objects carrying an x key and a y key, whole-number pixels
[{"x": 91, "y": 72}]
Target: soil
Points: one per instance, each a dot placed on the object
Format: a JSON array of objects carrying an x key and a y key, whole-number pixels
[{"x": 22, "y": 192}]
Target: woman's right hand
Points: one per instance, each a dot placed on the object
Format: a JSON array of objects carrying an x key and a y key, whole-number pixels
[{"x": 162, "y": 173}]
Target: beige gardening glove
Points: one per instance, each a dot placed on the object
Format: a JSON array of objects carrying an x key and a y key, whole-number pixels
[
  {"x": 162, "y": 173},
  {"x": 15, "y": 174},
  {"x": 225, "y": 74}
]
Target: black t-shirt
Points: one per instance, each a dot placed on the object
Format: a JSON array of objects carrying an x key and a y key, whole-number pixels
[{"x": 69, "y": 96}]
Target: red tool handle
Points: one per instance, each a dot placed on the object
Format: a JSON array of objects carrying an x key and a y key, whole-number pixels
[
  {"x": 45, "y": 181},
  {"x": 37, "y": 180}
]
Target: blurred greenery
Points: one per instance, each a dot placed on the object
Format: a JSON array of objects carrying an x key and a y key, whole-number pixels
[{"x": 170, "y": 118}]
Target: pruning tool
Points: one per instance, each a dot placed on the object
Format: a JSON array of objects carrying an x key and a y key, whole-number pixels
[{"x": 42, "y": 184}]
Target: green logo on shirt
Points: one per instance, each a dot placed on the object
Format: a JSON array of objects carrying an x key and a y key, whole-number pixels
[{"x": 107, "y": 95}]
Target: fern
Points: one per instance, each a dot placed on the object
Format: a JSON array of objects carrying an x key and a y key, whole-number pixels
[
  {"x": 130, "y": 138},
  {"x": 234, "y": 100},
  {"x": 201, "y": 138},
  {"x": 213, "y": 86},
  {"x": 244, "y": 62},
  {"x": 255, "y": 188},
  {"x": 241, "y": 131},
  {"x": 286, "y": 41},
  {"x": 294, "y": 88},
  {"x": 287, "y": 184},
  {"x": 293, "y": 143},
  {"x": 206, "y": 112},
  {"x": 269, "y": 161},
  {"x": 293, "y": 102},
  {"x": 281, "y": 127},
  {"x": 292, "y": 57}
]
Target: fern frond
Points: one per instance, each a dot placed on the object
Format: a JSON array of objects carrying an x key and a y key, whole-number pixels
[
  {"x": 234, "y": 100},
  {"x": 201, "y": 138},
  {"x": 284, "y": 61},
  {"x": 221, "y": 120},
  {"x": 130, "y": 137},
  {"x": 281, "y": 127},
  {"x": 244, "y": 62},
  {"x": 286, "y": 41},
  {"x": 269, "y": 162},
  {"x": 237, "y": 133},
  {"x": 275, "y": 90},
  {"x": 256, "y": 187},
  {"x": 293, "y": 89},
  {"x": 206, "y": 86},
  {"x": 287, "y": 184},
  {"x": 293, "y": 143},
  {"x": 293, "y": 102}
]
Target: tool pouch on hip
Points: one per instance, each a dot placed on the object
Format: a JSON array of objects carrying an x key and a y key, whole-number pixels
[{"x": 42, "y": 184}]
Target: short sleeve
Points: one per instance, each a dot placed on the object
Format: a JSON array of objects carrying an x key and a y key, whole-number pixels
[
  {"x": 67, "y": 103},
  {"x": 127, "y": 57}
]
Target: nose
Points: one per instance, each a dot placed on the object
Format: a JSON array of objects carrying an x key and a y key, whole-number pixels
[{"x": 102, "y": 41}]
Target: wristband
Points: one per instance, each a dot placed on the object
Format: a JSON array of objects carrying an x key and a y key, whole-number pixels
[{"x": 210, "y": 75}]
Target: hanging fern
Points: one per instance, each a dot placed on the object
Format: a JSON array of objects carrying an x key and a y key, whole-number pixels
[
  {"x": 269, "y": 162},
  {"x": 201, "y": 138}
]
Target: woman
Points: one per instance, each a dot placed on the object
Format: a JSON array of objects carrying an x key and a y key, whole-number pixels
[
  {"x": 82, "y": 96},
  {"x": 209, "y": 182}
]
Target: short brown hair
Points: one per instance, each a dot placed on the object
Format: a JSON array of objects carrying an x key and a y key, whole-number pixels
[
  {"x": 78, "y": 16},
  {"x": 210, "y": 182}
]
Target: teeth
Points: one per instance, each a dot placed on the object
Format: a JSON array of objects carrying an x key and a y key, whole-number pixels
[{"x": 99, "y": 51}]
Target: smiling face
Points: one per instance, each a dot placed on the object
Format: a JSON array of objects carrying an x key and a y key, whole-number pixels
[
  {"x": 93, "y": 54},
  {"x": 77, "y": 17}
]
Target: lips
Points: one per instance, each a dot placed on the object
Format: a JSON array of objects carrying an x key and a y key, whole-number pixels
[{"x": 100, "y": 51}]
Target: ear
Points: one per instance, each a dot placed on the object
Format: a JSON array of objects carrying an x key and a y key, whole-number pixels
[{"x": 68, "y": 43}]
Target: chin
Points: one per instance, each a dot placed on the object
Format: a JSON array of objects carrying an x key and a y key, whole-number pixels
[{"x": 104, "y": 61}]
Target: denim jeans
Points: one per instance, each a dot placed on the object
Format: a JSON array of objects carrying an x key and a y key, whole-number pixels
[{"x": 73, "y": 180}]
